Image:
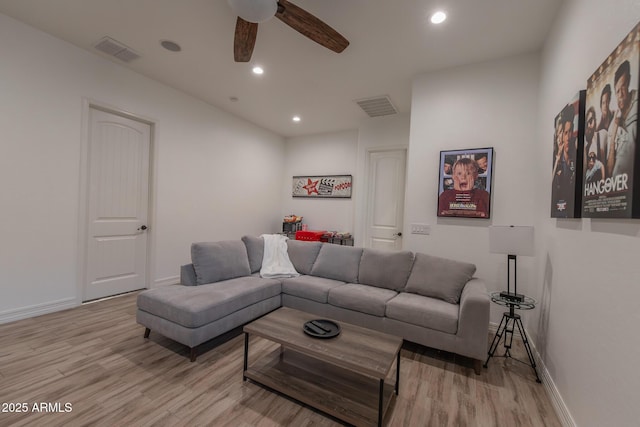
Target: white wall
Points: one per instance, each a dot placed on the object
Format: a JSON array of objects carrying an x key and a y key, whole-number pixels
[
  {"x": 218, "y": 177},
  {"x": 492, "y": 104},
  {"x": 324, "y": 154},
  {"x": 587, "y": 270},
  {"x": 340, "y": 153}
]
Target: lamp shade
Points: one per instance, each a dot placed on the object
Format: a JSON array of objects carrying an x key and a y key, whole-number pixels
[
  {"x": 254, "y": 10},
  {"x": 511, "y": 240}
]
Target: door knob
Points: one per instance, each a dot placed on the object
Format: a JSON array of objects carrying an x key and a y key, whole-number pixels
[
  {"x": 143, "y": 227},
  {"x": 399, "y": 234}
]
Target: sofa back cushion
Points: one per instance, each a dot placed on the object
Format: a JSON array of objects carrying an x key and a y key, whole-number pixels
[
  {"x": 255, "y": 251},
  {"x": 439, "y": 277},
  {"x": 216, "y": 261},
  {"x": 303, "y": 254},
  {"x": 338, "y": 262},
  {"x": 385, "y": 268}
]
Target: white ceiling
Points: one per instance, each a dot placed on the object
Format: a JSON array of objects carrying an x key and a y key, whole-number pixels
[{"x": 390, "y": 42}]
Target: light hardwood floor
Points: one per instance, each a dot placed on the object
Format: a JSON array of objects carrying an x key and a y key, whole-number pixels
[{"x": 95, "y": 358}]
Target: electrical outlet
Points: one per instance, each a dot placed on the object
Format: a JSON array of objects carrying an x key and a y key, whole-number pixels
[{"x": 420, "y": 229}]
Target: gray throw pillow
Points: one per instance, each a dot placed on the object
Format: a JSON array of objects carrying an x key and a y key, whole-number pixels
[
  {"x": 255, "y": 251},
  {"x": 385, "y": 268},
  {"x": 216, "y": 261},
  {"x": 439, "y": 277},
  {"x": 338, "y": 262}
]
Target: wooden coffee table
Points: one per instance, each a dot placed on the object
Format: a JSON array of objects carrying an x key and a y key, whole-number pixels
[{"x": 342, "y": 376}]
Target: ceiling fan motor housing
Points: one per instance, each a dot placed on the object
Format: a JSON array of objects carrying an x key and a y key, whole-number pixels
[{"x": 255, "y": 11}]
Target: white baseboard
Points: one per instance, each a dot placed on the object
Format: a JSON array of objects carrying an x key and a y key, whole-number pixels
[
  {"x": 547, "y": 381},
  {"x": 63, "y": 304},
  {"x": 166, "y": 281},
  {"x": 556, "y": 399},
  {"x": 36, "y": 310}
]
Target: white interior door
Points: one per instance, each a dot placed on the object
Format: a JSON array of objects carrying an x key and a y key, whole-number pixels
[
  {"x": 118, "y": 201},
  {"x": 385, "y": 201}
]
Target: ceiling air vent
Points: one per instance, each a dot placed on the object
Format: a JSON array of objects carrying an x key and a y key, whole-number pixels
[
  {"x": 378, "y": 106},
  {"x": 115, "y": 48}
]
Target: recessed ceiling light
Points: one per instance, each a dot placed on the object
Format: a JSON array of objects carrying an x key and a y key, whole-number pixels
[
  {"x": 169, "y": 45},
  {"x": 438, "y": 17},
  {"x": 257, "y": 70},
  {"x": 296, "y": 118}
]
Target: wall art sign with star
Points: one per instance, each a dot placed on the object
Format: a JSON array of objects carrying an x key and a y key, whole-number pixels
[{"x": 322, "y": 186}]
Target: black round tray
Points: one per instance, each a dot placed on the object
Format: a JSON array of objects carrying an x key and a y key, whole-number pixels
[{"x": 321, "y": 328}]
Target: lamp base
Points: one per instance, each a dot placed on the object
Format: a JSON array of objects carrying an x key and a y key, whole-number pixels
[{"x": 512, "y": 296}]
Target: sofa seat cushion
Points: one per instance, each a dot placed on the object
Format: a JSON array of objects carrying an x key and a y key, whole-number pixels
[
  {"x": 439, "y": 277},
  {"x": 303, "y": 254},
  {"x": 362, "y": 298},
  {"x": 310, "y": 287},
  {"x": 338, "y": 262},
  {"x": 385, "y": 269},
  {"x": 423, "y": 311},
  {"x": 194, "y": 306},
  {"x": 216, "y": 261}
]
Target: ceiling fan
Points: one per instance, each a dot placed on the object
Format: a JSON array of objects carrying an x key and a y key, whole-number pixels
[{"x": 252, "y": 12}]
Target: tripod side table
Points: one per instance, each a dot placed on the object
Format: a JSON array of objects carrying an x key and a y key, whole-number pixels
[{"x": 510, "y": 321}]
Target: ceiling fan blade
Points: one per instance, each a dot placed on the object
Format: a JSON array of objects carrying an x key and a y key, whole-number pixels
[
  {"x": 310, "y": 26},
  {"x": 244, "y": 40}
]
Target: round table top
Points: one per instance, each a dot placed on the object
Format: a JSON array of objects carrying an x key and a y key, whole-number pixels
[{"x": 527, "y": 303}]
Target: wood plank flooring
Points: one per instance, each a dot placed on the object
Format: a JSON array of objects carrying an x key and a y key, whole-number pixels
[{"x": 95, "y": 358}]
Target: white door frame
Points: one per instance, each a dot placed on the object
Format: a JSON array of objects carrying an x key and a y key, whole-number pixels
[
  {"x": 364, "y": 225},
  {"x": 83, "y": 206}
]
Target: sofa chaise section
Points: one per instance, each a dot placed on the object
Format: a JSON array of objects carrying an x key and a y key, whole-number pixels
[{"x": 197, "y": 311}]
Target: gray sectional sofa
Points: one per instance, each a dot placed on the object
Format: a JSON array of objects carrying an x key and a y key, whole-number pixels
[{"x": 428, "y": 300}]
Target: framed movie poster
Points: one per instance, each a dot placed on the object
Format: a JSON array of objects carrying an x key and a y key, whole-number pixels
[
  {"x": 611, "y": 162},
  {"x": 322, "y": 186},
  {"x": 566, "y": 178},
  {"x": 464, "y": 186}
]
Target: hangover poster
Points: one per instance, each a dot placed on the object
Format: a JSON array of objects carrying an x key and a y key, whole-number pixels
[{"x": 610, "y": 156}]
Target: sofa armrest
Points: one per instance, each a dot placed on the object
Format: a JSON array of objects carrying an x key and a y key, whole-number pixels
[
  {"x": 473, "y": 323},
  {"x": 188, "y": 275}
]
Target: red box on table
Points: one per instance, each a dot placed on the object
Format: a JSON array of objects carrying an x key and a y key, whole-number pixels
[{"x": 311, "y": 236}]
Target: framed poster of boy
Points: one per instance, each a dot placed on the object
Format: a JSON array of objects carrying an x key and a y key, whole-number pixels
[
  {"x": 464, "y": 186},
  {"x": 611, "y": 162}
]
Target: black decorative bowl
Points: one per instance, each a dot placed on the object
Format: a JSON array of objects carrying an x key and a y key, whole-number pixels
[{"x": 321, "y": 328}]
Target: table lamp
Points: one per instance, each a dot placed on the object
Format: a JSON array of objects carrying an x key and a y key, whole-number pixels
[{"x": 512, "y": 240}]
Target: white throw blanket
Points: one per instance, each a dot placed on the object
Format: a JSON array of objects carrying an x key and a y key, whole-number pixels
[{"x": 275, "y": 261}]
